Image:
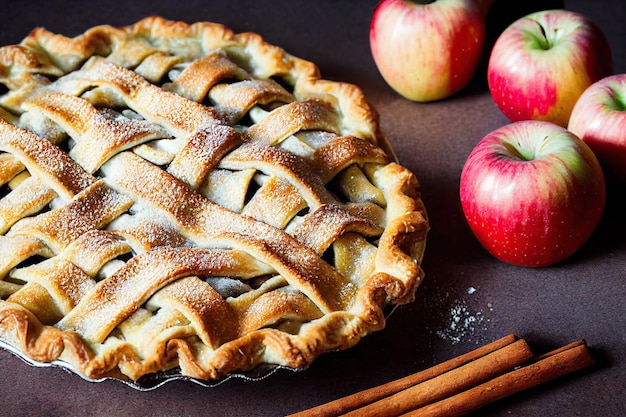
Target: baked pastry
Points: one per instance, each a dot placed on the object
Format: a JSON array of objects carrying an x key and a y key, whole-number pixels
[{"x": 179, "y": 196}]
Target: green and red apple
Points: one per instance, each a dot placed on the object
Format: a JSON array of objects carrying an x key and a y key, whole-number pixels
[
  {"x": 428, "y": 52},
  {"x": 542, "y": 63},
  {"x": 599, "y": 118},
  {"x": 532, "y": 193}
]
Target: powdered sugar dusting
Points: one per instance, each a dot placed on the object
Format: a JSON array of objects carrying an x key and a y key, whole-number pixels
[{"x": 465, "y": 324}]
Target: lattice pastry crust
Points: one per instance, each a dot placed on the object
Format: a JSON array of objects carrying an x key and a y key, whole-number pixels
[{"x": 183, "y": 196}]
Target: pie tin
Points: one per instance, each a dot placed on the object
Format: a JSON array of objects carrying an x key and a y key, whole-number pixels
[{"x": 153, "y": 381}]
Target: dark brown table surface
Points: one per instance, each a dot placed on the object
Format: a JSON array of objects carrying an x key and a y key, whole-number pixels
[{"x": 468, "y": 298}]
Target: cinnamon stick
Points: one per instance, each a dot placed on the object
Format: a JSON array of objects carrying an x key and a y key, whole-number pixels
[
  {"x": 462, "y": 384},
  {"x": 544, "y": 368},
  {"x": 362, "y": 398},
  {"x": 449, "y": 383}
]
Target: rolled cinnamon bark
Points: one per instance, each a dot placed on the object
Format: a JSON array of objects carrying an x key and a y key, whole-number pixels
[
  {"x": 362, "y": 398},
  {"x": 449, "y": 383},
  {"x": 462, "y": 384}
]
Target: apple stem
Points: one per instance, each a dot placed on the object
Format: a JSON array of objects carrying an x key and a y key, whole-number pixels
[
  {"x": 544, "y": 42},
  {"x": 516, "y": 151}
]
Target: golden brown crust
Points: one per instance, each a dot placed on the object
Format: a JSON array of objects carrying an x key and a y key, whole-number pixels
[{"x": 183, "y": 196}]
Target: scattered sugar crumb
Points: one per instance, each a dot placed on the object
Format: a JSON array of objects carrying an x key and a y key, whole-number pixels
[{"x": 464, "y": 324}]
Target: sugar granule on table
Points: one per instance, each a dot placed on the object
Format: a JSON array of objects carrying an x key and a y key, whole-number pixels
[{"x": 464, "y": 324}]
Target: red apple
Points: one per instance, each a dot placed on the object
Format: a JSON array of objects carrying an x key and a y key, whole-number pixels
[
  {"x": 532, "y": 192},
  {"x": 427, "y": 52},
  {"x": 599, "y": 118},
  {"x": 541, "y": 64}
]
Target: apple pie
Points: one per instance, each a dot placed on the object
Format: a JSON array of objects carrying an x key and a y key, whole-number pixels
[{"x": 180, "y": 196}]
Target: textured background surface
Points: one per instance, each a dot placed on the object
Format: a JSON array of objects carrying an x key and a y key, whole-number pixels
[{"x": 581, "y": 298}]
